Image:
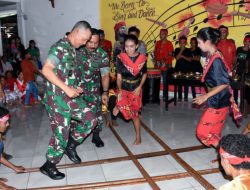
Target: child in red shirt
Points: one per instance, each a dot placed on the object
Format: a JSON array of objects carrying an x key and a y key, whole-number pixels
[{"x": 29, "y": 70}]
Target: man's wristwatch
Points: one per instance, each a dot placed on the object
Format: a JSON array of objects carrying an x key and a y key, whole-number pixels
[{"x": 105, "y": 92}]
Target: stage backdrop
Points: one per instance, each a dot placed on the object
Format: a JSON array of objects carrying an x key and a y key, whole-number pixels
[{"x": 179, "y": 17}]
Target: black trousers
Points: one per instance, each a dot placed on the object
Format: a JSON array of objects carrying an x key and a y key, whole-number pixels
[
  {"x": 185, "y": 91},
  {"x": 111, "y": 106}
]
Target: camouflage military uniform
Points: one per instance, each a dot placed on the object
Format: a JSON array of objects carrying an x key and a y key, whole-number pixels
[
  {"x": 62, "y": 109},
  {"x": 93, "y": 65}
]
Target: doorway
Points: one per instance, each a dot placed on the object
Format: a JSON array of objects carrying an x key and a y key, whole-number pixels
[{"x": 8, "y": 30}]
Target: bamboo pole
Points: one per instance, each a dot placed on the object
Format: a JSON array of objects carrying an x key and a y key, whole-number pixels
[
  {"x": 122, "y": 158},
  {"x": 184, "y": 164},
  {"x": 109, "y": 184},
  {"x": 150, "y": 181}
]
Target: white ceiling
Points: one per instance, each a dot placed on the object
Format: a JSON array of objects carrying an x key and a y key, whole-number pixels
[
  {"x": 6, "y": 3},
  {"x": 7, "y": 8}
]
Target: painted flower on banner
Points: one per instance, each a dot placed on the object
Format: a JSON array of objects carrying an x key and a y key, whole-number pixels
[
  {"x": 217, "y": 20},
  {"x": 216, "y": 6},
  {"x": 217, "y": 12},
  {"x": 184, "y": 18},
  {"x": 247, "y": 5}
]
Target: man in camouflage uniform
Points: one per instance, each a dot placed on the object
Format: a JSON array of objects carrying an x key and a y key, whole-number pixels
[
  {"x": 94, "y": 66},
  {"x": 62, "y": 100}
]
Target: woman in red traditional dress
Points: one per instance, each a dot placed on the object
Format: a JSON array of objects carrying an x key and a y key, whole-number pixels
[
  {"x": 218, "y": 97},
  {"x": 131, "y": 75}
]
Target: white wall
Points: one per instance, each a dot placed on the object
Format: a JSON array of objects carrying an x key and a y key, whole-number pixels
[{"x": 46, "y": 25}]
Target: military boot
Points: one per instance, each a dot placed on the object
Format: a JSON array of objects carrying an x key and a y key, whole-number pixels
[
  {"x": 70, "y": 151},
  {"x": 96, "y": 139},
  {"x": 50, "y": 170}
]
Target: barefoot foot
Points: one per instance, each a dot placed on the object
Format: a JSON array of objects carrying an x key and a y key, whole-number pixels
[
  {"x": 246, "y": 130},
  {"x": 137, "y": 142},
  {"x": 115, "y": 111},
  {"x": 108, "y": 123},
  {"x": 114, "y": 123},
  {"x": 214, "y": 161}
]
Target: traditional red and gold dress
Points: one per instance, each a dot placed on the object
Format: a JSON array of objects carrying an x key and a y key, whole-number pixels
[
  {"x": 212, "y": 121},
  {"x": 131, "y": 70}
]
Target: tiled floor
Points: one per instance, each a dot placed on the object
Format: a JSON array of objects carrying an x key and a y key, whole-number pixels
[{"x": 28, "y": 137}]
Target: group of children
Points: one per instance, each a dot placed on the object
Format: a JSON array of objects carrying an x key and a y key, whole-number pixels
[
  {"x": 20, "y": 89},
  {"x": 16, "y": 90}
]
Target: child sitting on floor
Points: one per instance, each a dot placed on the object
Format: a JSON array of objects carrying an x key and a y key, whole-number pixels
[
  {"x": 4, "y": 124},
  {"x": 10, "y": 80},
  {"x": 20, "y": 89},
  {"x": 9, "y": 96}
]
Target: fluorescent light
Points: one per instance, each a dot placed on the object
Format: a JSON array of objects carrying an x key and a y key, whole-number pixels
[{"x": 7, "y": 13}]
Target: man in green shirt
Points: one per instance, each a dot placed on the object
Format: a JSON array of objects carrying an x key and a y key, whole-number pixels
[
  {"x": 70, "y": 118},
  {"x": 94, "y": 68}
]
